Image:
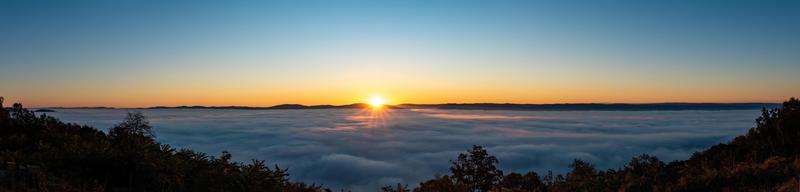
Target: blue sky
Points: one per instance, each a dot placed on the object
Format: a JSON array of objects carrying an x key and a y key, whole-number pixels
[{"x": 143, "y": 53}]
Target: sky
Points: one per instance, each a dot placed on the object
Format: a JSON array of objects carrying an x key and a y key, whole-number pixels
[{"x": 263, "y": 53}]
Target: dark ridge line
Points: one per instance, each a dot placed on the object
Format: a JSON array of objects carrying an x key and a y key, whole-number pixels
[{"x": 494, "y": 106}]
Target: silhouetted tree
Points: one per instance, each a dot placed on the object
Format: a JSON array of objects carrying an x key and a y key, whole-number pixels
[
  {"x": 518, "y": 182},
  {"x": 41, "y": 153},
  {"x": 134, "y": 124},
  {"x": 441, "y": 184},
  {"x": 643, "y": 173},
  {"x": 582, "y": 176},
  {"x": 476, "y": 169},
  {"x": 399, "y": 188},
  {"x": 3, "y": 114}
]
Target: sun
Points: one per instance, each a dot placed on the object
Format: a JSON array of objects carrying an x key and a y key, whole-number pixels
[{"x": 376, "y": 101}]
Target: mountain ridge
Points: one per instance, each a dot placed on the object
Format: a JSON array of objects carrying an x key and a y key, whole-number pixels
[{"x": 489, "y": 106}]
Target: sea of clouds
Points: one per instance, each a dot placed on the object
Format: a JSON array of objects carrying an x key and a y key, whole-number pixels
[{"x": 362, "y": 150}]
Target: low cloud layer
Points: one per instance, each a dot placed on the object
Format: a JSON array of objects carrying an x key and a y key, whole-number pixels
[{"x": 362, "y": 151}]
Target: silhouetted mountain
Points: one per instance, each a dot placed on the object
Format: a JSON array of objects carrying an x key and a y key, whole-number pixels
[
  {"x": 501, "y": 106},
  {"x": 593, "y": 106},
  {"x": 206, "y": 107},
  {"x": 298, "y": 106},
  {"x": 44, "y": 110},
  {"x": 82, "y": 108},
  {"x": 282, "y": 106}
]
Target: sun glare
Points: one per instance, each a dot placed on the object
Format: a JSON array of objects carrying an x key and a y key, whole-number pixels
[{"x": 376, "y": 102}]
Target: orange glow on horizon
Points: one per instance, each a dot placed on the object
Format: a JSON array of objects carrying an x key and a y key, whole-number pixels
[
  {"x": 345, "y": 95},
  {"x": 377, "y": 101}
]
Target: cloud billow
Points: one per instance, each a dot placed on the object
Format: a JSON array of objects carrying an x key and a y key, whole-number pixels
[{"x": 345, "y": 148}]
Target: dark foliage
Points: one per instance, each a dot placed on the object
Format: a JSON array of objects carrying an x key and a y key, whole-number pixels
[
  {"x": 767, "y": 158},
  {"x": 399, "y": 188},
  {"x": 518, "y": 182},
  {"x": 442, "y": 184},
  {"x": 41, "y": 153},
  {"x": 476, "y": 170}
]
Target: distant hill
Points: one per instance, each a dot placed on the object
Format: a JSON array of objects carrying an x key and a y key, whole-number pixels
[
  {"x": 44, "y": 110},
  {"x": 594, "y": 106},
  {"x": 81, "y": 107},
  {"x": 501, "y": 106},
  {"x": 282, "y": 106}
]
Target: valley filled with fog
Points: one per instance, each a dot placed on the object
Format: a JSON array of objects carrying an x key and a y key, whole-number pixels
[{"x": 363, "y": 150}]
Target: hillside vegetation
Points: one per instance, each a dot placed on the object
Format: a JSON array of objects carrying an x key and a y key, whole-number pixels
[
  {"x": 41, "y": 153},
  {"x": 764, "y": 159}
]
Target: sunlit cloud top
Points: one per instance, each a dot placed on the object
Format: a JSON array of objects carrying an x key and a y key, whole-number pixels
[{"x": 261, "y": 53}]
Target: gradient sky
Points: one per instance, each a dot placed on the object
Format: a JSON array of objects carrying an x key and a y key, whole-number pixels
[{"x": 262, "y": 53}]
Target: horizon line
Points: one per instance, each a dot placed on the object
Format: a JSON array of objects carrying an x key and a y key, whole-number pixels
[{"x": 279, "y": 106}]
